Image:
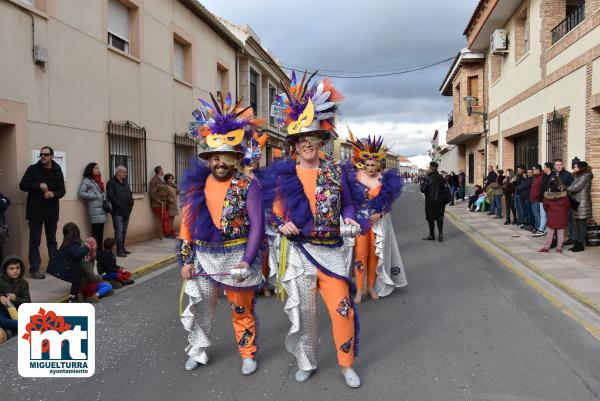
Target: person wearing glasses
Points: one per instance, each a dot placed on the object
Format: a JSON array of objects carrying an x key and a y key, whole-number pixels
[{"x": 45, "y": 185}]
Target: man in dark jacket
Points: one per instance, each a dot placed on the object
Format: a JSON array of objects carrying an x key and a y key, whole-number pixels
[
  {"x": 45, "y": 185},
  {"x": 491, "y": 177},
  {"x": 523, "y": 189},
  {"x": 119, "y": 195},
  {"x": 434, "y": 188},
  {"x": 518, "y": 202},
  {"x": 461, "y": 184},
  {"x": 566, "y": 178}
]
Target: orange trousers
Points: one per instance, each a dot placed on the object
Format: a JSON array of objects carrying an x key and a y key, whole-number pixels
[
  {"x": 241, "y": 304},
  {"x": 365, "y": 260},
  {"x": 336, "y": 295}
]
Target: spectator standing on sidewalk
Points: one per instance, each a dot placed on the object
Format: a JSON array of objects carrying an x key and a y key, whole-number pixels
[
  {"x": 520, "y": 178},
  {"x": 92, "y": 191},
  {"x": 490, "y": 178},
  {"x": 45, "y": 185},
  {"x": 119, "y": 195},
  {"x": 498, "y": 191},
  {"x": 547, "y": 176},
  {"x": 434, "y": 188},
  {"x": 581, "y": 201},
  {"x": 556, "y": 205},
  {"x": 509, "y": 195},
  {"x": 566, "y": 177},
  {"x": 461, "y": 184},
  {"x": 4, "y": 234},
  {"x": 172, "y": 202},
  {"x": 452, "y": 180},
  {"x": 534, "y": 196},
  {"x": 159, "y": 194}
]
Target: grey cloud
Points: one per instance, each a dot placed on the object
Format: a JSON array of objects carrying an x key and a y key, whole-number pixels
[{"x": 365, "y": 36}]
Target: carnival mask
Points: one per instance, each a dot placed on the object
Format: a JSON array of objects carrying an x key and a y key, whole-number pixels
[
  {"x": 371, "y": 156},
  {"x": 304, "y": 120},
  {"x": 232, "y": 138}
]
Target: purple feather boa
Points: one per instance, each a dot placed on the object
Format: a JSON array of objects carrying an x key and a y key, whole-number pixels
[
  {"x": 198, "y": 217},
  {"x": 359, "y": 198},
  {"x": 291, "y": 192},
  {"x": 267, "y": 182},
  {"x": 391, "y": 187}
]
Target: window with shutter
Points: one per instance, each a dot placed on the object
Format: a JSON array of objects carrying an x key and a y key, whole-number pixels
[
  {"x": 118, "y": 25},
  {"x": 178, "y": 60}
]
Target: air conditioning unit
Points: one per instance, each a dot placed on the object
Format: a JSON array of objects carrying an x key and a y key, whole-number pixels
[{"x": 499, "y": 42}]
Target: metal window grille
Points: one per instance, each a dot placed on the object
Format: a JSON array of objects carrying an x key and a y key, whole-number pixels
[
  {"x": 575, "y": 15},
  {"x": 186, "y": 150},
  {"x": 554, "y": 136},
  {"x": 471, "y": 168},
  {"x": 526, "y": 149},
  {"x": 127, "y": 147},
  {"x": 254, "y": 91}
]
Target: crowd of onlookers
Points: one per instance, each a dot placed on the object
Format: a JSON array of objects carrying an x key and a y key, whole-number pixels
[
  {"x": 547, "y": 201},
  {"x": 88, "y": 264}
]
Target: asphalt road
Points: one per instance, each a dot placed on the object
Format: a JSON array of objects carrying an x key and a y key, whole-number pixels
[{"x": 465, "y": 328}]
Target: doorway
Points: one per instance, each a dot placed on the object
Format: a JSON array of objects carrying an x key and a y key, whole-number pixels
[{"x": 526, "y": 148}]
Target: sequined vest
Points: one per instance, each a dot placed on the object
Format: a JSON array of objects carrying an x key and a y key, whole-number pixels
[
  {"x": 328, "y": 202},
  {"x": 234, "y": 216}
]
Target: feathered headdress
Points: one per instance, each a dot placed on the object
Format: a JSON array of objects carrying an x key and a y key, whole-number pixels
[
  {"x": 223, "y": 127},
  {"x": 367, "y": 149},
  {"x": 307, "y": 109},
  {"x": 254, "y": 149}
]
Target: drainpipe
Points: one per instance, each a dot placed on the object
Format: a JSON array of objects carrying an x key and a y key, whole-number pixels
[{"x": 237, "y": 67}]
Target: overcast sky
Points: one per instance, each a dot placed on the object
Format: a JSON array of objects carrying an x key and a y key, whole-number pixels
[{"x": 366, "y": 36}]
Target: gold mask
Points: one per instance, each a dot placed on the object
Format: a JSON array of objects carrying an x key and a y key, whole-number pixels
[
  {"x": 371, "y": 156},
  {"x": 304, "y": 120},
  {"x": 232, "y": 138}
]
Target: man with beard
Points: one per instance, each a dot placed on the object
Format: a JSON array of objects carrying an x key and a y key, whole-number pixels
[
  {"x": 221, "y": 232},
  {"x": 434, "y": 188}
]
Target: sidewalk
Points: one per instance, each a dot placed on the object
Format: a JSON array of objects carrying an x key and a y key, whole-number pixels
[
  {"x": 578, "y": 274},
  {"x": 145, "y": 257}
]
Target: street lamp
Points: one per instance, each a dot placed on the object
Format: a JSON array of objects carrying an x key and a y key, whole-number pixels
[{"x": 470, "y": 102}]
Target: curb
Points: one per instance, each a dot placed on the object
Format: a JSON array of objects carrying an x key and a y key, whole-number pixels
[
  {"x": 557, "y": 283},
  {"x": 143, "y": 270}
]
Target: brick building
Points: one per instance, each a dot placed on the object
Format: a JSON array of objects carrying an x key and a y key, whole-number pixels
[{"x": 539, "y": 97}]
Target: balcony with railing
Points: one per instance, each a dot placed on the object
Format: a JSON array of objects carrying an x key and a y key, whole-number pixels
[{"x": 574, "y": 18}]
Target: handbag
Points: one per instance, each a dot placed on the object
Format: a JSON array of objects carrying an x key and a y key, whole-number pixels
[
  {"x": 107, "y": 206},
  {"x": 592, "y": 237}
]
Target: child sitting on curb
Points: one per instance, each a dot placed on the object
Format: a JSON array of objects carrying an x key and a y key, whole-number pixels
[
  {"x": 556, "y": 205},
  {"x": 92, "y": 286},
  {"x": 14, "y": 291},
  {"x": 107, "y": 266}
]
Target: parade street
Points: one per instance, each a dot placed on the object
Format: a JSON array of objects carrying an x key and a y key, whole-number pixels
[{"x": 465, "y": 328}]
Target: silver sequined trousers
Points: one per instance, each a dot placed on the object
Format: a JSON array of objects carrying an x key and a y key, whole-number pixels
[
  {"x": 300, "y": 284},
  {"x": 198, "y": 317}
]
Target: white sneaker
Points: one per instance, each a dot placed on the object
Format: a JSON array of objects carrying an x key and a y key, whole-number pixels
[
  {"x": 303, "y": 375},
  {"x": 248, "y": 366},
  {"x": 193, "y": 362},
  {"x": 351, "y": 377}
]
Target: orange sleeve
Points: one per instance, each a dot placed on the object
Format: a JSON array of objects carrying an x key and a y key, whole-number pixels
[
  {"x": 184, "y": 229},
  {"x": 278, "y": 209}
]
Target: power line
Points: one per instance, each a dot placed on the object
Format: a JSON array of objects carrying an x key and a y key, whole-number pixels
[{"x": 375, "y": 74}]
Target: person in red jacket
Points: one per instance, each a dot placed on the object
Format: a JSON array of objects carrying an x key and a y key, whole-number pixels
[
  {"x": 534, "y": 196},
  {"x": 556, "y": 205}
]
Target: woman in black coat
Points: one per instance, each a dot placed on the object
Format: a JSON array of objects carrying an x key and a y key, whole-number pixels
[{"x": 434, "y": 188}]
